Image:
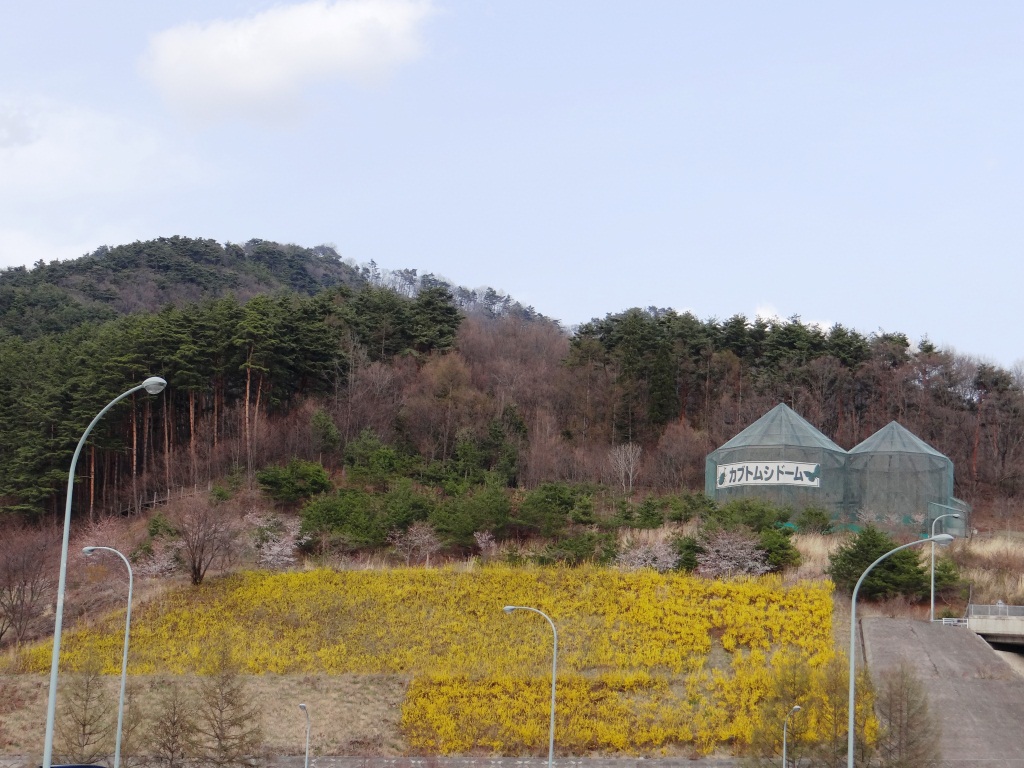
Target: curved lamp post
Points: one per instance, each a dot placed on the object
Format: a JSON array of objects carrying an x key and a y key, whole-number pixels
[
  {"x": 942, "y": 538},
  {"x": 154, "y": 385},
  {"x": 554, "y": 671},
  {"x": 796, "y": 708},
  {"x": 304, "y": 709},
  {"x": 124, "y": 657},
  {"x": 931, "y": 613}
]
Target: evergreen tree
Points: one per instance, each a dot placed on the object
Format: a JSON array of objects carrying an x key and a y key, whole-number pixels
[{"x": 899, "y": 574}]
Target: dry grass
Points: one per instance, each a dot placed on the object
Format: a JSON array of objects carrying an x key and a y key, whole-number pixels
[
  {"x": 349, "y": 714},
  {"x": 666, "y": 532},
  {"x": 994, "y": 566},
  {"x": 815, "y": 550}
]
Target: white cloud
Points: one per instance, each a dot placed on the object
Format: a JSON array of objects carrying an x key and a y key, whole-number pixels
[
  {"x": 66, "y": 171},
  {"x": 54, "y": 153},
  {"x": 259, "y": 66}
]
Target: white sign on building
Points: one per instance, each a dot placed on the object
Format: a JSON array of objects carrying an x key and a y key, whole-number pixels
[{"x": 769, "y": 473}]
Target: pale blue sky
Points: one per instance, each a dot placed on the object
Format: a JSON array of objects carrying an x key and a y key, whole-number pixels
[{"x": 859, "y": 163}]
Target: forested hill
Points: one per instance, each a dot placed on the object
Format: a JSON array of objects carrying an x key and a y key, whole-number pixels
[
  {"x": 273, "y": 352},
  {"x": 147, "y": 276}
]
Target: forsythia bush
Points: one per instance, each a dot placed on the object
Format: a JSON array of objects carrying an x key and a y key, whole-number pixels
[{"x": 632, "y": 663}]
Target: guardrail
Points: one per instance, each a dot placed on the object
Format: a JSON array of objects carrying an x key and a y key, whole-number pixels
[
  {"x": 955, "y": 623},
  {"x": 999, "y": 609}
]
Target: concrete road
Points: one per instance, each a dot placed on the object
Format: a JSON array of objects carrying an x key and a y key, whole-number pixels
[
  {"x": 292, "y": 761},
  {"x": 977, "y": 696}
]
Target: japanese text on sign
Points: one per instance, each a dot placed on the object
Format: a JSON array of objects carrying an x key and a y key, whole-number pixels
[{"x": 769, "y": 473}]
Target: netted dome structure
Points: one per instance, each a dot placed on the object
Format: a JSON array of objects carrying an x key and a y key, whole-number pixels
[
  {"x": 896, "y": 478},
  {"x": 783, "y": 459}
]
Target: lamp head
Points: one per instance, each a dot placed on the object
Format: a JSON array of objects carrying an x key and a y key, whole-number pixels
[
  {"x": 957, "y": 516},
  {"x": 796, "y": 708},
  {"x": 154, "y": 385},
  {"x": 509, "y": 608},
  {"x": 942, "y": 538},
  {"x": 302, "y": 707},
  {"x": 88, "y": 550}
]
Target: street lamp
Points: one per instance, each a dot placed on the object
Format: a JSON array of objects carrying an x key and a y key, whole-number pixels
[
  {"x": 304, "y": 709},
  {"x": 153, "y": 385},
  {"x": 942, "y": 538},
  {"x": 796, "y": 708},
  {"x": 124, "y": 657},
  {"x": 931, "y": 613},
  {"x": 554, "y": 671}
]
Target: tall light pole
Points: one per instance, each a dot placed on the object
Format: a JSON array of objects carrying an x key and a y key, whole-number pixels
[
  {"x": 124, "y": 657},
  {"x": 931, "y": 613},
  {"x": 154, "y": 385},
  {"x": 554, "y": 671},
  {"x": 796, "y": 708},
  {"x": 942, "y": 538},
  {"x": 304, "y": 709}
]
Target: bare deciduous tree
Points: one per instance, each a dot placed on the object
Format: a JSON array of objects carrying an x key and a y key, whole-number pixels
[
  {"x": 85, "y": 729},
  {"x": 625, "y": 462},
  {"x": 229, "y": 721},
  {"x": 26, "y": 586},
  {"x": 909, "y": 735},
  {"x": 207, "y": 535},
  {"x": 173, "y": 734},
  {"x": 418, "y": 541},
  {"x": 133, "y": 731}
]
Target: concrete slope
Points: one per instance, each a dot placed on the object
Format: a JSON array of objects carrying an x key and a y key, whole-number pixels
[{"x": 977, "y": 697}]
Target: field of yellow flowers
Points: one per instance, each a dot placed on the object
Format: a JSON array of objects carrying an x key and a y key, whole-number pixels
[{"x": 633, "y": 663}]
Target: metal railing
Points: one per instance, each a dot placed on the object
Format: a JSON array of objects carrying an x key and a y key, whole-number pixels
[{"x": 999, "y": 609}]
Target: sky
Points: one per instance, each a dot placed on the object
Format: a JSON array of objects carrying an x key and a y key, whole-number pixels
[{"x": 856, "y": 163}]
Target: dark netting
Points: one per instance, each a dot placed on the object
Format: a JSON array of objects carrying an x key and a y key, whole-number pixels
[
  {"x": 783, "y": 459},
  {"x": 894, "y": 478}
]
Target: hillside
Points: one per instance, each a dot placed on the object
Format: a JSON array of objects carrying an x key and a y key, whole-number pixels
[
  {"x": 461, "y": 389},
  {"x": 147, "y": 276}
]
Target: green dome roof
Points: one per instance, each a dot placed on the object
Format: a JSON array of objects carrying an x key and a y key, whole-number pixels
[
  {"x": 895, "y": 438},
  {"x": 782, "y": 426}
]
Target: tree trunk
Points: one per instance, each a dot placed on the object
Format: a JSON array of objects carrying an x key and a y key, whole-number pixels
[
  {"x": 167, "y": 443},
  {"x": 192, "y": 433},
  {"x": 135, "y": 454},
  {"x": 92, "y": 483},
  {"x": 245, "y": 414}
]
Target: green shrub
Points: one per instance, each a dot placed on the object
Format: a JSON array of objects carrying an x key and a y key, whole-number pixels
[
  {"x": 778, "y": 549},
  {"x": 651, "y": 513},
  {"x": 219, "y": 494},
  {"x": 687, "y": 548},
  {"x": 546, "y": 509},
  {"x": 351, "y": 513},
  {"x": 373, "y": 462},
  {"x": 295, "y": 481},
  {"x": 325, "y": 434},
  {"x": 813, "y": 520},
  {"x": 485, "y": 509},
  {"x": 755, "y": 514},
  {"x": 404, "y": 505},
  {"x": 687, "y": 506},
  {"x": 159, "y": 525},
  {"x": 586, "y": 547}
]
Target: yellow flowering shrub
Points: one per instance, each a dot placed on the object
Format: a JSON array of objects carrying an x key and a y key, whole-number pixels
[{"x": 632, "y": 662}]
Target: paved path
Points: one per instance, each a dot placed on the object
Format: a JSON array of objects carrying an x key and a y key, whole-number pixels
[{"x": 977, "y": 696}]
